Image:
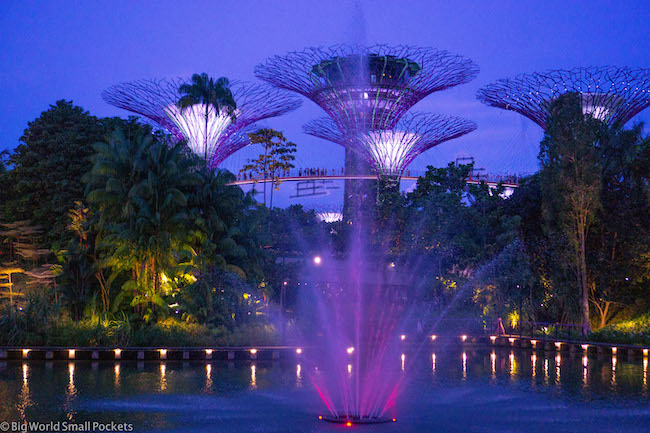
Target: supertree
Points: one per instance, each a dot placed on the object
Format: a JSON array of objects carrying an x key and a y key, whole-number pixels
[
  {"x": 157, "y": 101},
  {"x": 389, "y": 151},
  {"x": 611, "y": 94},
  {"x": 367, "y": 88}
]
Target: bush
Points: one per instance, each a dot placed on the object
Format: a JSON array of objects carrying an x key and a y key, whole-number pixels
[
  {"x": 32, "y": 327},
  {"x": 632, "y": 331}
]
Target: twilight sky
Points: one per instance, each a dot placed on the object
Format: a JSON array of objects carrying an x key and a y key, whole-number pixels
[{"x": 61, "y": 49}]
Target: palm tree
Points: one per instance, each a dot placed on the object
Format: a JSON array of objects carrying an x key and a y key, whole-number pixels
[
  {"x": 212, "y": 94},
  {"x": 141, "y": 187}
]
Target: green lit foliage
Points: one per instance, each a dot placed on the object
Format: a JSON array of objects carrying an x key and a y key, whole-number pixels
[
  {"x": 220, "y": 298},
  {"x": 140, "y": 187}
]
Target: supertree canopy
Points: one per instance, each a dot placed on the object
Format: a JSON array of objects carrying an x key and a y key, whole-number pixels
[
  {"x": 367, "y": 88},
  {"x": 215, "y": 136},
  {"x": 389, "y": 151},
  {"x": 611, "y": 94}
]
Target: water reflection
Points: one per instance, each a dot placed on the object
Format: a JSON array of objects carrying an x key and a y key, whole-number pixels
[
  {"x": 71, "y": 394},
  {"x": 208, "y": 377},
  {"x": 547, "y": 378},
  {"x": 403, "y": 357},
  {"x": 116, "y": 368},
  {"x": 514, "y": 366},
  {"x": 72, "y": 390},
  {"x": 25, "y": 399},
  {"x": 163, "y": 376},
  {"x": 464, "y": 365},
  {"x": 533, "y": 365},
  {"x": 299, "y": 376},
  {"x": 493, "y": 362},
  {"x": 30, "y": 385}
]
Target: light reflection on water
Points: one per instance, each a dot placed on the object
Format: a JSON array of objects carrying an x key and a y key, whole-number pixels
[
  {"x": 33, "y": 388},
  {"x": 464, "y": 365},
  {"x": 163, "y": 376},
  {"x": 299, "y": 376},
  {"x": 253, "y": 376},
  {"x": 208, "y": 377}
]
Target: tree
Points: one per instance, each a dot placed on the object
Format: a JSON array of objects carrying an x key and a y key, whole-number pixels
[
  {"x": 44, "y": 177},
  {"x": 277, "y": 157},
  {"x": 571, "y": 174},
  {"x": 140, "y": 187},
  {"x": 621, "y": 238},
  {"x": 212, "y": 95}
]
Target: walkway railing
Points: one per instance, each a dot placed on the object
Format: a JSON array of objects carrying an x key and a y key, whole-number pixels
[
  {"x": 546, "y": 330},
  {"x": 509, "y": 180}
]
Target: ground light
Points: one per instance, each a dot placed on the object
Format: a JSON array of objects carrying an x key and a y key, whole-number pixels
[{"x": 317, "y": 260}]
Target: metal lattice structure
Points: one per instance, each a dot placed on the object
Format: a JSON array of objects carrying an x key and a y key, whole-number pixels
[
  {"x": 157, "y": 100},
  {"x": 611, "y": 94},
  {"x": 367, "y": 88},
  {"x": 390, "y": 151}
]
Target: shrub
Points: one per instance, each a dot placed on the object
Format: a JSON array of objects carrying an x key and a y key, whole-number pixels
[{"x": 632, "y": 331}]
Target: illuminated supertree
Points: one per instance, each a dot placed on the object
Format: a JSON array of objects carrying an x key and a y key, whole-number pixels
[
  {"x": 389, "y": 151},
  {"x": 367, "y": 88},
  {"x": 157, "y": 101},
  {"x": 611, "y": 94}
]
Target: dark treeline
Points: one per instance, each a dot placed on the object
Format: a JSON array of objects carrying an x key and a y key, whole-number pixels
[{"x": 113, "y": 234}]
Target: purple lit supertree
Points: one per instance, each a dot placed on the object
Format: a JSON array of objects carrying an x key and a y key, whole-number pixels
[
  {"x": 389, "y": 151},
  {"x": 221, "y": 137},
  {"x": 367, "y": 88},
  {"x": 611, "y": 94}
]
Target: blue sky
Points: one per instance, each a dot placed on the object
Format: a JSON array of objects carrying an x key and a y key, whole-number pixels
[{"x": 52, "y": 50}]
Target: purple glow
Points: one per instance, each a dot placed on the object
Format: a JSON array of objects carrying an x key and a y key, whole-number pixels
[
  {"x": 356, "y": 312},
  {"x": 390, "y": 151},
  {"x": 609, "y": 94},
  {"x": 156, "y": 100},
  {"x": 367, "y": 88}
]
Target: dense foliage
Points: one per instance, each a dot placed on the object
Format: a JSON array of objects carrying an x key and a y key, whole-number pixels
[{"x": 115, "y": 235}]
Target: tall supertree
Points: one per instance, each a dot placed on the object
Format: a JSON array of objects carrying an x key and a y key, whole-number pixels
[
  {"x": 389, "y": 151},
  {"x": 611, "y": 94},
  {"x": 157, "y": 100},
  {"x": 367, "y": 88}
]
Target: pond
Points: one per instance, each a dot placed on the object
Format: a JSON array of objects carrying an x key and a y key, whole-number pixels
[{"x": 478, "y": 390}]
